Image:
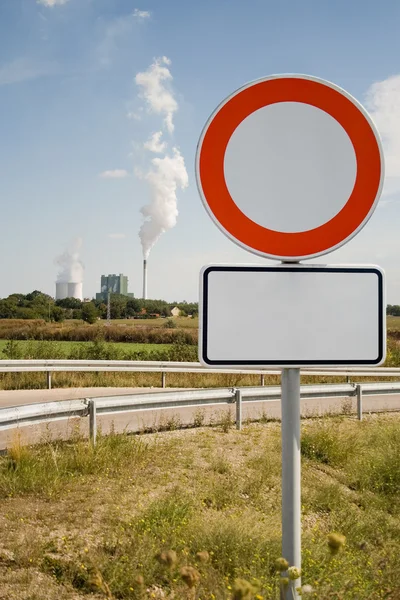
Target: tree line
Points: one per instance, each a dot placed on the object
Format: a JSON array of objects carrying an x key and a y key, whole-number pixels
[{"x": 38, "y": 305}]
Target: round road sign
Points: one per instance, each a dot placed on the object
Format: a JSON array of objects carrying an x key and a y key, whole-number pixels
[{"x": 290, "y": 167}]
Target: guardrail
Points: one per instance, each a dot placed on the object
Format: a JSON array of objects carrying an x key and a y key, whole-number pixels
[
  {"x": 92, "y": 407},
  {"x": 52, "y": 366}
]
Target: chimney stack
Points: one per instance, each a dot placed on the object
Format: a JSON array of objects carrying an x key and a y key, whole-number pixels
[{"x": 145, "y": 279}]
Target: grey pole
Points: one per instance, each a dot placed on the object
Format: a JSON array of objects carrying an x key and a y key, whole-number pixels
[
  {"x": 238, "y": 398},
  {"x": 48, "y": 373},
  {"x": 291, "y": 484},
  {"x": 109, "y": 307},
  {"x": 92, "y": 422},
  {"x": 359, "y": 402},
  {"x": 163, "y": 376}
]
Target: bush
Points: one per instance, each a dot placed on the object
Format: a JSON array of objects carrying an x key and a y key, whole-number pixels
[
  {"x": 13, "y": 350},
  {"x": 96, "y": 350},
  {"x": 78, "y": 332}
]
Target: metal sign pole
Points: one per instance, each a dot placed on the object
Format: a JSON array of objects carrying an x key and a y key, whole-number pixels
[{"x": 291, "y": 485}]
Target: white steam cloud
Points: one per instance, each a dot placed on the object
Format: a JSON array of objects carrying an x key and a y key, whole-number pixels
[
  {"x": 52, "y": 2},
  {"x": 154, "y": 144},
  {"x": 167, "y": 174},
  {"x": 383, "y": 102},
  {"x": 141, "y": 15},
  {"x": 159, "y": 98},
  {"x": 114, "y": 174},
  {"x": 70, "y": 265}
]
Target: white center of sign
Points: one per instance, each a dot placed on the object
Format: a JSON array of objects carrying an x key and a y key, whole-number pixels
[{"x": 287, "y": 151}]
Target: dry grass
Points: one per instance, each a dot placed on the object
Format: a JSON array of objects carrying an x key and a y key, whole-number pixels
[
  {"x": 82, "y": 523},
  {"x": 140, "y": 331},
  {"x": 26, "y": 381},
  {"x": 393, "y": 323}
]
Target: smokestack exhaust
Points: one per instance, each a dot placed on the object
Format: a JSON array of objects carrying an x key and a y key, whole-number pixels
[{"x": 145, "y": 279}]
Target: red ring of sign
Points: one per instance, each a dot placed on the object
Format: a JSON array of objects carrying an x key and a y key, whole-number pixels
[{"x": 275, "y": 243}]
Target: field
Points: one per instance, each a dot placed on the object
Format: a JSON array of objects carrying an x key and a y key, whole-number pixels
[
  {"x": 66, "y": 348},
  {"x": 40, "y": 340},
  {"x": 184, "y": 322},
  {"x": 149, "y": 516},
  {"x": 393, "y": 323}
]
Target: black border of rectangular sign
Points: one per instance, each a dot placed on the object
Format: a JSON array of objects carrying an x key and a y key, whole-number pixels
[{"x": 210, "y": 269}]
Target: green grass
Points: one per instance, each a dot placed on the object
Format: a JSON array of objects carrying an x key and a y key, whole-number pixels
[
  {"x": 184, "y": 322},
  {"x": 121, "y": 521},
  {"x": 43, "y": 349},
  {"x": 65, "y": 348}
]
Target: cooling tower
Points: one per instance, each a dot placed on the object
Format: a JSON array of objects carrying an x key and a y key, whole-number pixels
[
  {"x": 68, "y": 290},
  {"x": 75, "y": 290},
  {"x": 61, "y": 290}
]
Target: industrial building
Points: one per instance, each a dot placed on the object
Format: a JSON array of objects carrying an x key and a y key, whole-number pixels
[{"x": 114, "y": 284}]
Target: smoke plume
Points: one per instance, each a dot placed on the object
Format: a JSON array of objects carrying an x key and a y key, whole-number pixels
[
  {"x": 159, "y": 98},
  {"x": 70, "y": 266},
  {"x": 164, "y": 177},
  {"x": 383, "y": 102},
  {"x": 166, "y": 173}
]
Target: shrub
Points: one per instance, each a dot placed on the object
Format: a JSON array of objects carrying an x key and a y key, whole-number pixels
[
  {"x": 83, "y": 332},
  {"x": 170, "y": 324},
  {"x": 12, "y": 350}
]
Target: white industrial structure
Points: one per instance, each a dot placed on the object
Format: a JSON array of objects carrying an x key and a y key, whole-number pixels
[
  {"x": 69, "y": 290},
  {"x": 145, "y": 279}
]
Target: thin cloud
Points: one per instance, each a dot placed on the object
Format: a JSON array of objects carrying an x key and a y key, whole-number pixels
[
  {"x": 383, "y": 102},
  {"x": 117, "y": 236},
  {"x": 52, "y": 3},
  {"x": 159, "y": 98},
  {"x": 112, "y": 35},
  {"x": 154, "y": 144},
  {"x": 141, "y": 15},
  {"x": 24, "y": 69},
  {"x": 114, "y": 174},
  {"x": 135, "y": 116}
]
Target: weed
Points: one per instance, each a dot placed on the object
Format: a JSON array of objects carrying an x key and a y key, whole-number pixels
[
  {"x": 47, "y": 468},
  {"x": 221, "y": 465},
  {"x": 199, "y": 417},
  {"x": 12, "y": 350},
  {"x": 225, "y": 420},
  {"x": 347, "y": 406},
  {"x": 327, "y": 444}
]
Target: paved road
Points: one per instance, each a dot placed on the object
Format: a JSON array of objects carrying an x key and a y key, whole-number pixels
[
  {"x": 20, "y": 397},
  {"x": 154, "y": 419}
]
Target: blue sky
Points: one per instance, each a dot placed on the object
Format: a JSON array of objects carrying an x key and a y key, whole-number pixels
[{"x": 70, "y": 112}]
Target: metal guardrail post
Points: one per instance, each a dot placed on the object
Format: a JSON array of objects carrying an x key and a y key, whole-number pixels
[
  {"x": 359, "y": 401},
  {"x": 48, "y": 379},
  {"x": 238, "y": 399},
  {"x": 262, "y": 379},
  {"x": 163, "y": 378},
  {"x": 92, "y": 422}
]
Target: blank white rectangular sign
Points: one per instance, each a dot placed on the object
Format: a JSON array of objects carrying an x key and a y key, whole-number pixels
[{"x": 292, "y": 316}]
